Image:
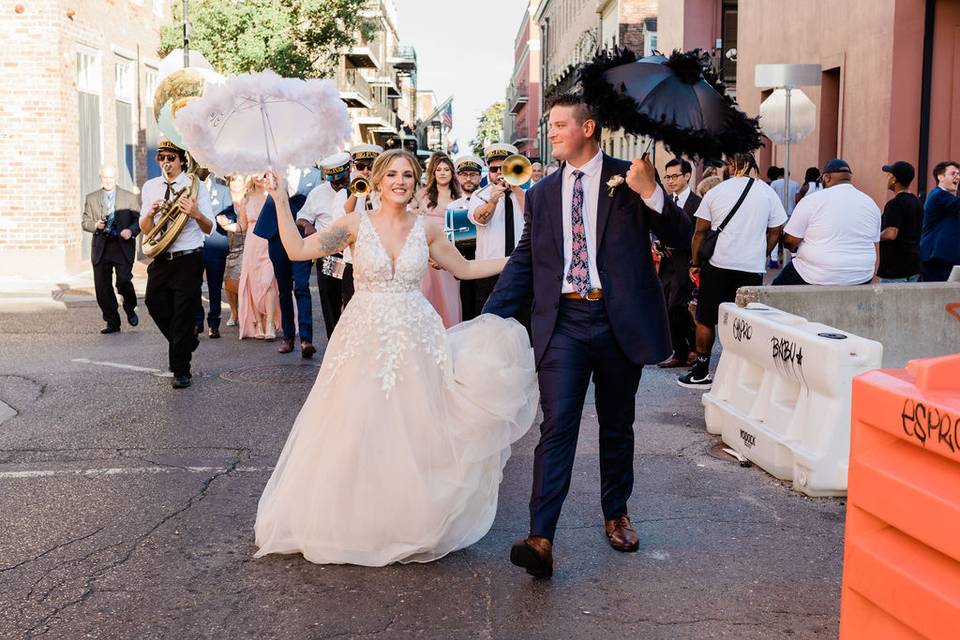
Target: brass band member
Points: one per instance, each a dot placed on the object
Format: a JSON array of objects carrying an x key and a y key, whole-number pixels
[
  {"x": 175, "y": 277},
  {"x": 362, "y": 156},
  {"x": 497, "y": 210}
]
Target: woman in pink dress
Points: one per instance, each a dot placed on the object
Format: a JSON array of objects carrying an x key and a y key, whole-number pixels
[
  {"x": 438, "y": 286},
  {"x": 259, "y": 299}
]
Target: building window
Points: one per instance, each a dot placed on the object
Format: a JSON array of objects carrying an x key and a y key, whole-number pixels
[
  {"x": 88, "y": 70},
  {"x": 650, "y": 43},
  {"x": 124, "y": 88}
]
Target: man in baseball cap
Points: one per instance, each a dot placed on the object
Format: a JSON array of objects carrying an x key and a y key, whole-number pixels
[
  {"x": 900, "y": 227},
  {"x": 834, "y": 232}
]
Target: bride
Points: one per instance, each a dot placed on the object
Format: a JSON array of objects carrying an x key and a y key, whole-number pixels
[{"x": 398, "y": 451}]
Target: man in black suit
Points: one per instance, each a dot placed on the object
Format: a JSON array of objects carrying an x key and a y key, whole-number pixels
[
  {"x": 675, "y": 268},
  {"x": 112, "y": 215}
]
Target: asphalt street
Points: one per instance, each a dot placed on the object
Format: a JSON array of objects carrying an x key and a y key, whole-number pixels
[{"x": 128, "y": 509}]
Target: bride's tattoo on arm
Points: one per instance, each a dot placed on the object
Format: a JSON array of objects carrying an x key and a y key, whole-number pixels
[{"x": 333, "y": 240}]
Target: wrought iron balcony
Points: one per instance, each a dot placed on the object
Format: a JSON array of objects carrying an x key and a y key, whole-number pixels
[{"x": 517, "y": 97}]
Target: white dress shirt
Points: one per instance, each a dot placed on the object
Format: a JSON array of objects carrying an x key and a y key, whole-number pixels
[
  {"x": 591, "y": 196},
  {"x": 191, "y": 237},
  {"x": 318, "y": 209},
  {"x": 491, "y": 237},
  {"x": 681, "y": 198}
]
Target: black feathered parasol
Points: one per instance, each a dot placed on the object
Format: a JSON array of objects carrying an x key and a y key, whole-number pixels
[{"x": 678, "y": 101}]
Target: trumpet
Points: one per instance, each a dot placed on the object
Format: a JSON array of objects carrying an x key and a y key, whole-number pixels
[
  {"x": 516, "y": 170},
  {"x": 360, "y": 187},
  {"x": 171, "y": 221}
]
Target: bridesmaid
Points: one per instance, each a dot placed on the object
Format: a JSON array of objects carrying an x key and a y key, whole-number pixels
[
  {"x": 438, "y": 286},
  {"x": 259, "y": 299},
  {"x": 235, "y": 237}
]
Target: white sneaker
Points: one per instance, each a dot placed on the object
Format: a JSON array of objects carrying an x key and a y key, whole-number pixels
[{"x": 231, "y": 323}]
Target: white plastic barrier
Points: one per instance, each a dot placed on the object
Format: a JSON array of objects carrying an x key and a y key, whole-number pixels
[{"x": 781, "y": 394}]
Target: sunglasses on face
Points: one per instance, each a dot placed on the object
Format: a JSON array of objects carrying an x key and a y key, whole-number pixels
[
  {"x": 493, "y": 170},
  {"x": 363, "y": 166},
  {"x": 163, "y": 157}
]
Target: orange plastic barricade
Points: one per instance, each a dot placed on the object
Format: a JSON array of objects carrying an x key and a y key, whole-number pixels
[{"x": 901, "y": 566}]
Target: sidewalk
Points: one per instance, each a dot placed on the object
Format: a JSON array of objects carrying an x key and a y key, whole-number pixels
[{"x": 24, "y": 295}]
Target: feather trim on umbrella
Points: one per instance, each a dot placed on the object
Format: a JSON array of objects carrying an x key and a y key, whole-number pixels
[{"x": 688, "y": 134}]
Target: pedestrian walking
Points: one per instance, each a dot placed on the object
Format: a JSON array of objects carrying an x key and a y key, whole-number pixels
[
  {"x": 111, "y": 215},
  {"x": 747, "y": 217},
  {"x": 675, "y": 267}
]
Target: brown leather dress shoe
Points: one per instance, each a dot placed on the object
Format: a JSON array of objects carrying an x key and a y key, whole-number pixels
[
  {"x": 535, "y": 554},
  {"x": 307, "y": 349},
  {"x": 673, "y": 363},
  {"x": 621, "y": 534},
  {"x": 286, "y": 346}
]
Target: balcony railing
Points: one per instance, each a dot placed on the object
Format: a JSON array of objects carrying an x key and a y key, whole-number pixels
[
  {"x": 517, "y": 96},
  {"x": 404, "y": 58},
  {"x": 354, "y": 88}
]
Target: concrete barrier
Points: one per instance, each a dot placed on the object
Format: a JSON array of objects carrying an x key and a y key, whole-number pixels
[{"x": 914, "y": 320}]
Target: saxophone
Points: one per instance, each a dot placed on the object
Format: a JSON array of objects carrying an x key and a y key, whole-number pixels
[{"x": 171, "y": 221}]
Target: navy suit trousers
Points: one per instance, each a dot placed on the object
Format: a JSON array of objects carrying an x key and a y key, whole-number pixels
[
  {"x": 293, "y": 282},
  {"x": 582, "y": 345},
  {"x": 214, "y": 265}
]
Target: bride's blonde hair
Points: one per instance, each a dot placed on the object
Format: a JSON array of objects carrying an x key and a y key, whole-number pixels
[{"x": 383, "y": 161}]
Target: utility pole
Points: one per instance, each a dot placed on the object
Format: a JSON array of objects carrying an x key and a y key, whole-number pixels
[{"x": 186, "y": 34}]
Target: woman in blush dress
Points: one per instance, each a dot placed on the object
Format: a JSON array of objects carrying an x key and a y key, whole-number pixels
[
  {"x": 440, "y": 287},
  {"x": 259, "y": 299},
  {"x": 398, "y": 451},
  {"x": 235, "y": 237}
]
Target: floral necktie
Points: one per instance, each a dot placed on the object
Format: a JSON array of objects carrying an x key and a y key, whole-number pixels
[{"x": 579, "y": 274}]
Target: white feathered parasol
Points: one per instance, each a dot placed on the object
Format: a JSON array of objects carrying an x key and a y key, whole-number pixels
[{"x": 260, "y": 120}]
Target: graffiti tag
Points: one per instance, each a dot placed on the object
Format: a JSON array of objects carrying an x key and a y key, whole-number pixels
[
  {"x": 930, "y": 424},
  {"x": 787, "y": 351},
  {"x": 741, "y": 330}
]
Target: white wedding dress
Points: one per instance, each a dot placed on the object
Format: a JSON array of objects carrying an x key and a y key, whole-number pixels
[{"x": 398, "y": 452}]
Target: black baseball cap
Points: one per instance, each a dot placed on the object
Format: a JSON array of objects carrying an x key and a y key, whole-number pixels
[
  {"x": 902, "y": 171},
  {"x": 836, "y": 166}
]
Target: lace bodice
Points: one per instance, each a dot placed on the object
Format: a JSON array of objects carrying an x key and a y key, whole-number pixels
[
  {"x": 374, "y": 271},
  {"x": 388, "y": 325}
]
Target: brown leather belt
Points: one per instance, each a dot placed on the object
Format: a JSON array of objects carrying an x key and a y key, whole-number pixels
[{"x": 593, "y": 295}]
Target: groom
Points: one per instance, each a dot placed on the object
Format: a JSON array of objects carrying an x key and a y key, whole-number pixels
[{"x": 598, "y": 310}]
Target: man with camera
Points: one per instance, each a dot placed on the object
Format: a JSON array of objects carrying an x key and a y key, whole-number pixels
[{"x": 111, "y": 214}]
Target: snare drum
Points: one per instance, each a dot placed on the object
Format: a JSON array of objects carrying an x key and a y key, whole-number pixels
[
  {"x": 459, "y": 229},
  {"x": 333, "y": 266}
]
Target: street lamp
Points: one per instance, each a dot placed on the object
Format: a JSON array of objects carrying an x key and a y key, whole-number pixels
[{"x": 186, "y": 34}]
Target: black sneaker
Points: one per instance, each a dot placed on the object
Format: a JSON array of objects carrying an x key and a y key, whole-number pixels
[
  {"x": 110, "y": 329},
  {"x": 181, "y": 382},
  {"x": 694, "y": 379},
  {"x": 133, "y": 319}
]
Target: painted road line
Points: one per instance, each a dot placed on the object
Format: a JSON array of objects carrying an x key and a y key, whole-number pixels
[
  {"x": 129, "y": 367},
  {"x": 124, "y": 471}
]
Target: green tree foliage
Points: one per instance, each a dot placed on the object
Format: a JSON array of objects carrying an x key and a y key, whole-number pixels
[
  {"x": 489, "y": 127},
  {"x": 298, "y": 39}
]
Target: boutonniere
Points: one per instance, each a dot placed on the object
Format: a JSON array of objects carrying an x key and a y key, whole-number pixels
[{"x": 613, "y": 183}]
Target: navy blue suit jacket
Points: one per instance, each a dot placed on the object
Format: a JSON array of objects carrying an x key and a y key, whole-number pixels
[
  {"x": 940, "y": 236},
  {"x": 266, "y": 226},
  {"x": 631, "y": 290}
]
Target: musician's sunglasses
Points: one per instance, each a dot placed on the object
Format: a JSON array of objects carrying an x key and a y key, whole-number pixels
[
  {"x": 163, "y": 157},
  {"x": 362, "y": 166},
  {"x": 494, "y": 169}
]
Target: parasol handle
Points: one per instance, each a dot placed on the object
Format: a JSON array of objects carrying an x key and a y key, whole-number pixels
[{"x": 647, "y": 147}]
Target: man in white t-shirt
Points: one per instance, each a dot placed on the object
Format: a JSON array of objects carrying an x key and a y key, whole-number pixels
[
  {"x": 740, "y": 257},
  {"x": 835, "y": 234}
]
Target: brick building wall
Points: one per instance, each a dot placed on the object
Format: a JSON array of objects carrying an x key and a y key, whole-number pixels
[{"x": 41, "y": 199}]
